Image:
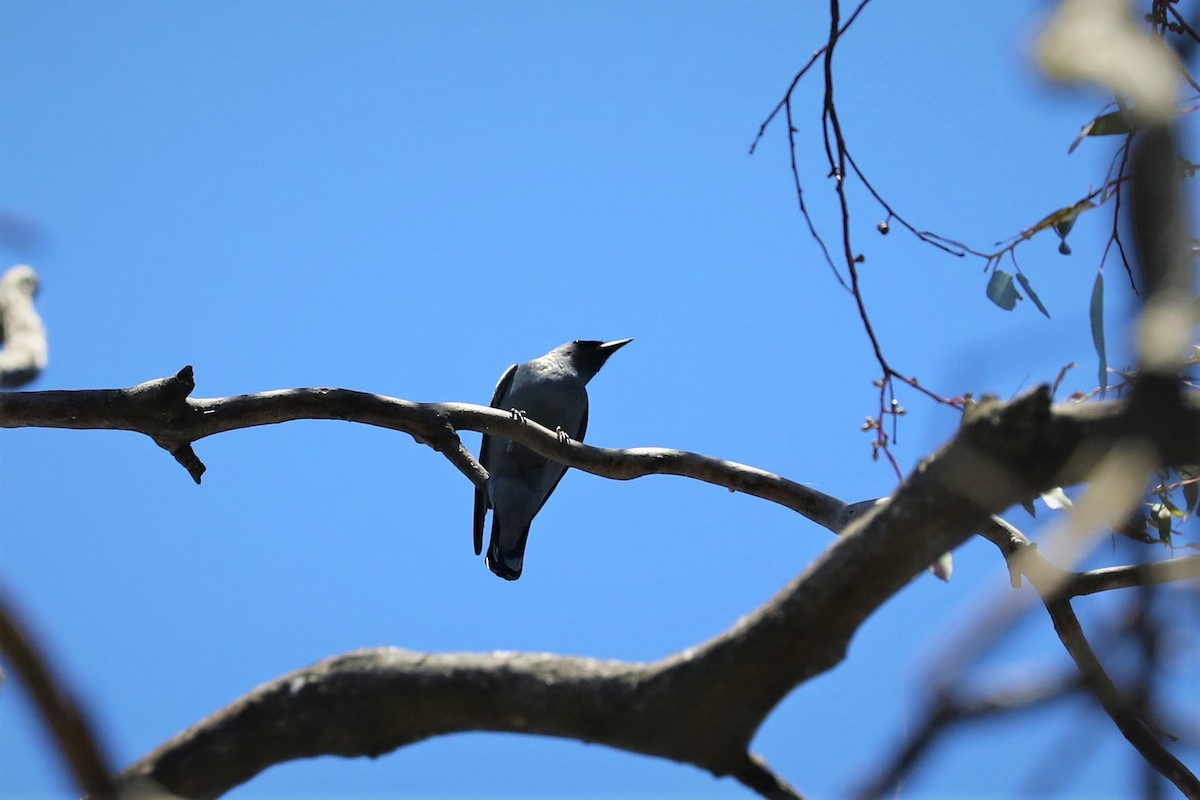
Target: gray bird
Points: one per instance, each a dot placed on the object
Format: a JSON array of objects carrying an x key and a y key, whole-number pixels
[{"x": 550, "y": 391}]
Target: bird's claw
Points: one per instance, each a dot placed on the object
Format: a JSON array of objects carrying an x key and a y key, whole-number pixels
[
  {"x": 518, "y": 415},
  {"x": 563, "y": 436}
]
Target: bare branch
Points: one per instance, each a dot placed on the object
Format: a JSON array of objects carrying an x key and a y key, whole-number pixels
[
  {"x": 1130, "y": 723},
  {"x": 1002, "y": 454},
  {"x": 949, "y": 708},
  {"x": 1108, "y": 578},
  {"x": 702, "y": 705},
  {"x": 61, "y": 713},
  {"x": 1019, "y": 551},
  {"x": 1054, "y": 591},
  {"x": 1076, "y": 435},
  {"x": 162, "y": 410}
]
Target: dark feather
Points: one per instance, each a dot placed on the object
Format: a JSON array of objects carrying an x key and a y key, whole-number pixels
[{"x": 481, "y": 498}]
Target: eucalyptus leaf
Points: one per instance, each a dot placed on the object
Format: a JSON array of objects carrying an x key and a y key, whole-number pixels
[
  {"x": 1110, "y": 124},
  {"x": 1032, "y": 294},
  {"x": 1002, "y": 291},
  {"x": 1097, "y": 316},
  {"x": 1160, "y": 517},
  {"x": 1171, "y": 508}
]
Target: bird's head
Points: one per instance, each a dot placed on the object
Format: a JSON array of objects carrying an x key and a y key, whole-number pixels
[{"x": 589, "y": 355}]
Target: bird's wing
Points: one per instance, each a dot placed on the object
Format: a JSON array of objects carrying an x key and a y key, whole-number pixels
[
  {"x": 563, "y": 471},
  {"x": 481, "y": 498}
]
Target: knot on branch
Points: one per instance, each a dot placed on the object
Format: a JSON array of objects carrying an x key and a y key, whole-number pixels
[
  {"x": 164, "y": 402},
  {"x": 1020, "y": 437},
  {"x": 1009, "y": 430}
]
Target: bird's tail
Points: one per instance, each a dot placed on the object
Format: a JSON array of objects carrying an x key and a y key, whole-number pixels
[{"x": 506, "y": 553}]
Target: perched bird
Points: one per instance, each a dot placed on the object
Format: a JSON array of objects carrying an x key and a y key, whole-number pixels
[{"x": 550, "y": 391}]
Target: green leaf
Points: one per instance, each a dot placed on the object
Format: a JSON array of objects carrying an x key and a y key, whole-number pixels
[
  {"x": 1062, "y": 227},
  {"x": 1097, "y": 315},
  {"x": 1064, "y": 224},
  {"x": 1059, "y": 218},
  {"x": 1110, "y": 124},
  {"x": 1171, "y": 508},
  {"x": 1032, "y": 294},
  {"x": 1001, "y": 291},
  {"x": 1160, "y": 517}
]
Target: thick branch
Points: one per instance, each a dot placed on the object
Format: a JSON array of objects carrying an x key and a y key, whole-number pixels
[
  {"x": 700, "y": 706},
  {"x": 369, "y": 702}
]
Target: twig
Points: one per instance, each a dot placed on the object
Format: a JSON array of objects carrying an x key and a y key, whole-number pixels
[
  {"x": 1109, "y": 578},
  {"x": 838, "y": 157},
  {"x": 762, "y": 129}
]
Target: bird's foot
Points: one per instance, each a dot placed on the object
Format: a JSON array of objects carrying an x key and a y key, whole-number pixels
[
  {"x": 563, "y": 436},
  {"x": 518, "y": 415}
]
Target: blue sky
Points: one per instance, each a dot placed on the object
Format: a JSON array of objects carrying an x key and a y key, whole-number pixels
[{"x": 406, "y": 198}]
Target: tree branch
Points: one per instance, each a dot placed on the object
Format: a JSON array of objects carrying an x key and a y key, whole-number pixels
[
  {"x": 1108, "y": 578},
  {"x": 1015, "y": 547},
  {"x": 1130, "y": 723},
  {"x": 1055, "y": 588},
  {"x": 64, "y": 718},
  {"x": 1075, "y": 435},
  {"x": 951, "y": 707},
  {"x": 162, "y": 410},
  {"x": 700, "y": 706}
]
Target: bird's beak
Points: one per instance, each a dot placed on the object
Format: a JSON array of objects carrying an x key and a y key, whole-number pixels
[{"x": 608, "y": 348}]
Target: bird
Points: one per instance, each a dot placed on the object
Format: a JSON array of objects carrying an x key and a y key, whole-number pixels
[{"x": 550, "y": 391}]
